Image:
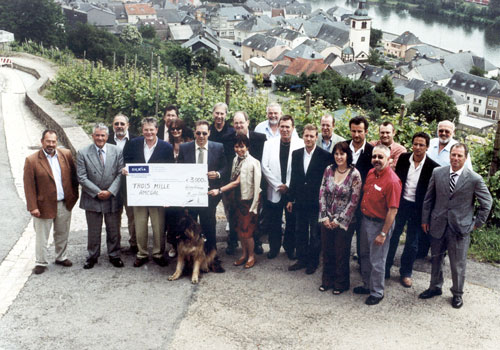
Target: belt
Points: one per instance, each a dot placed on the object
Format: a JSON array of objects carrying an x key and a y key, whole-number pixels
[{"x": 373, "y": 219}]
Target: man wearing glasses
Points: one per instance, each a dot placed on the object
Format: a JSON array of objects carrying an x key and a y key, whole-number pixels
[
  {"x": 203, "y": 151},
  {"x": 439, "y": 147},
  {"x": 119, "y": 137}
]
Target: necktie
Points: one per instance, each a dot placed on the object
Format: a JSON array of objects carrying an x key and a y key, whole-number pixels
[
  {"x": 201, "y": 156},
  {"x": 453, "y": 179},
  {"x": 101, "y": 158}
]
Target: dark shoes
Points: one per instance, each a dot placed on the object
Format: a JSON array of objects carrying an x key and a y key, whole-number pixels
[
  {"x": 161, "y": 261},
  {"x": 297, "y": 266},
  {"x": 457, "y": 302},
  {"x": 39, "y": 269},
  {"x": 140, "y": 261},
  {"x": 132, "y": 250},
  {"x": 231, "y": 249},
  {"x": 65, "y": 263},
  {"x": 116, "y": 262},
  {"x": 272, "y": 254},
  {"x": 90, "y": 263},
  {"x": 372, "y": 300},
  {"x": 258, "y": 249},
  {"x": 430, "y": 293},
  {"x": 361, "y": 290},
  {"x": 310, "y": 270},
  {"x": 290, "y": 253}
]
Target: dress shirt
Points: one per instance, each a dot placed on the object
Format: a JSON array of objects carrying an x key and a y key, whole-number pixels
[
  {"x": 307, "y": 158},
  {"x": 356, "y": 154},
  {"x": 165, "y": 134},
  {"x": 103, "y": 152},
  {"x": 412, "y": 179},
  {"x": 121, "y": 143},
  {"x": 443, "y": 157},
  {"x": 381, "y": 192},
  {"x": 148, "y": 152},
  {"x": 56, "y": 172},
  {"x": 458, "y": 172},
  {"x": 205, "y": 153},
  {"x": 265, "y": 128}
]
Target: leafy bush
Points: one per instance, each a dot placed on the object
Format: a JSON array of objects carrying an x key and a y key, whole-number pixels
[{"x": 485, "y": 245}]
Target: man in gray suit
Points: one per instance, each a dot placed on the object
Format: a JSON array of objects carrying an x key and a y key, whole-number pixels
[
  {"x": 448, "y": 215},
  {"x": 99, "y": 169}
]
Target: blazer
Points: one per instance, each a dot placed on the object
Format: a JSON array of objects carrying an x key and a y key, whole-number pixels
[
  {"x": 93, "y": 178},
  {"x": 271, "y": 167},
  {"x": 335, "y": 139},
  {"x": 456, "y": 210},
  {"x": 402, "y": 167},
  {"x": 364, "y": 163},
  {"x": 111, "y": 137},
  {"x": 304, "y": 187},
  {"x": 186, "y": 133},
  {"x": 40, "y": 187},
  {"x": 134, "y": 152},
  {"x": 256, "y": 148},
  {"x": 216, "y": 160},
  {"x": 250, "y": 177}
]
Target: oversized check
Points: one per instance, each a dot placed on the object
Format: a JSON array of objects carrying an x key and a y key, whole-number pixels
[{"x": 175, "y": 185}]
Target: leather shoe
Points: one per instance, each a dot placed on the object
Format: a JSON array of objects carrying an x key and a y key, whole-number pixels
[
  {"x": 240, "y": 261},
  {"x": 297, "y": 266},
  {"x": 140, "y": 261},
  {"x": 457, "y": 302},
  {"x": 290, "y": 253},
  {"x": 430, "y": 293},
  {"x": 250, "y": 264},
  {"x": 272, "y": 254},
  {"x": 132, "y": 250},
  {"x": 372, "y": 300},
  {"x": 90, "y": 263},
  {"x": 161, "y": 261},
  {"x": 116, "y": 262},
  {"x": 39, "y": 269},
  {"x": 361, "y": 290},
  {"x": 258, "y": 249},
  {"x": 406, "y": 282},
  {"x": 65, "y": 263},
  {"x": 310, "y": 270}
]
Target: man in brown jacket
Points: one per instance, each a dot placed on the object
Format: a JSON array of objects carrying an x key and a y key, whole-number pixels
[{"x": 51, "y": 190}]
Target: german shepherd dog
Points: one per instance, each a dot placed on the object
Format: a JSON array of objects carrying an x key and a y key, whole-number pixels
[{"x": 191, "y": 249}]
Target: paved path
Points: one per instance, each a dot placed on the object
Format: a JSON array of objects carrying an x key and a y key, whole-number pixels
[{"x": 266, "y": 307}]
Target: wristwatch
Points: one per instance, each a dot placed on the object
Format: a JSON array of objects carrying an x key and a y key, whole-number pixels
[{"x": 383, "y": 234}]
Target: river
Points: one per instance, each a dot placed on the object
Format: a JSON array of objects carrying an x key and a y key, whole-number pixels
[{"x": 431, "y": 29}]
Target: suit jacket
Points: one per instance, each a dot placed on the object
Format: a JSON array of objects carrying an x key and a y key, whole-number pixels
[
  {"x": 95, "y": 178},
  {"x": 216, "y": 160},
  {"x": 304, "y": 187},
  {"x": 271, "y": 167},
  {"x": 134, "y": 152},
  {"x": 364, "y": 163},
  {"x": 111, "y": 137},
  {"x": 256, "y": 139},
  {"x": 402, "y": 167},
  {"x": 456, "y": 210},
  {"x": 335, "y": 138},
  {"x": 40, "y": 187},
  {"x": 187, "y": 133}
]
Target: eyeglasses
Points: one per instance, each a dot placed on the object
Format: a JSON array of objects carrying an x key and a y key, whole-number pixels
[
  {"x": 176, "y": 129},
  {"x": 377, "y": 156},
  {"x": 119, "y": 123},
  {"x": 443, "y": 131},
  {"x": 199, "y": 133}
]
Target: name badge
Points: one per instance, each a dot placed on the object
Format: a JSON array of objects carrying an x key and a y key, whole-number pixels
[{"x": 377, "y": 188}]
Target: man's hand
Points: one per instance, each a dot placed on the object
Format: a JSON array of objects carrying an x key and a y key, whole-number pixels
[
  {"x": 282, "y": 188},
  {"x": 289, "y": 207},
  {"x": 379, "y": 240},
  {"x": 425, "y": 228},
  {"x": 212, "y": 175},
  {"x": 35, "y": 213},
  {"x": 103, "y": 195},
  {"x": 124, "y": 171}
]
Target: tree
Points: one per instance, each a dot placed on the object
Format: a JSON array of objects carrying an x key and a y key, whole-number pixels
[
  {"x": 374, "y": 58},
  {"x": 131, "y": 35},
  {"x": 434, "y": 106},
  {"x": 375, "y": 36},
  {"x": 385, "y": 87},
  {"x": 205, "y": 59},
  {"x": 494, "y": 8},
  {"x": 324, "y": 89},
  {"x": 147, "y": 31},
  {"x": 475, "y": 70},
  {"x": 41, "y": 21}
]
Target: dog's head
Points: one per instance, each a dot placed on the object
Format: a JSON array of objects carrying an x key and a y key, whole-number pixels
[{"x": 187, "y": 229}]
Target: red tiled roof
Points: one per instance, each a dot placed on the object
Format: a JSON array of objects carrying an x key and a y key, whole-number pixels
[
  {"x": 302, "y": 65},
  {"x": 139, "y": 9}
]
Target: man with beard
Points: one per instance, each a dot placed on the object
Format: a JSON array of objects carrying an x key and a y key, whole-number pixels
[
  {"x": 257, "y": 140},
  {"x": 219, "y": 128},
  {"x": 119, "y": 137},
  {"x": 270, "y": 126},
  {"x": 327, "y": 139},
  {"x": 379, "y": 205}
]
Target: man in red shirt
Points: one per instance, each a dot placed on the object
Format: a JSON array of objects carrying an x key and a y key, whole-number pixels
[{"x": 382, "y": 192}]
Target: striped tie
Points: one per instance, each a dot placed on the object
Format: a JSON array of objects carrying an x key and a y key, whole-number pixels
[{"x": 453, "y": 179}]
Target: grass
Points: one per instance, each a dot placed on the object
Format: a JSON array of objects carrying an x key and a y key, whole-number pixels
[{"x": 485, "y": 245}]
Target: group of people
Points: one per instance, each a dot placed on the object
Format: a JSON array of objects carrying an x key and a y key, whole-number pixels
[{"x": 321, "y": 188}]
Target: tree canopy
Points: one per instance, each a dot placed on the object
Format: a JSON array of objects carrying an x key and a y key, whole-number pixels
[{"x": 434, "y": 106}]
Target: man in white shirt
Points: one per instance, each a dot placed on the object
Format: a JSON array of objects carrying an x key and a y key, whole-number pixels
[
  {"x": 270, "y": 127},
  {"x": 439, "y": 148}
]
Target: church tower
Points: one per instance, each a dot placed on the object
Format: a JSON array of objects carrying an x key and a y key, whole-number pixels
[{"x": 359, "y": 33}]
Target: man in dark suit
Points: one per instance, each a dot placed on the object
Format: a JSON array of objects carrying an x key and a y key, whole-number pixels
[
  {"x": 257, "y": 140},
  {"x": 119, "y": 136},
  {"x": 202, "y": 151},
  {"x": 99, "y": 168},
  {"x": 149, "y": 149},
  {"x": 414, "y": 170},
  {"x": 171, "y": 113},
  {"x": 308, "y": 166},
  {"x": 448, "y": 216},
  {"x": 51, "y": 190},
  {"x": 362, "y": 160}
]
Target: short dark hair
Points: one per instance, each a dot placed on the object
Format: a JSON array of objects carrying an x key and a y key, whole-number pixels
[
  {"x": 172, "y": 107},
  {"x": 358, "y": 120},
  {"x": 202, "y": 122},
  {"x": 311, "y": 127},
  {"x": 242, "y": 139},
  {"x": 386, "y": 123},
  {"x": 422, "y": 135},
  {"x": 343, "y": 147},
  {"x": 48, "y": 131},
  {"x": 286, "y": 117},
  {"x": 462, "y": 145}
]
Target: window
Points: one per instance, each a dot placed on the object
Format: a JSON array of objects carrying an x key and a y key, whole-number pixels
[
  {"x": 488, "y": 112},
  {"x": 490, "y": 103},
  {"x": 363, "y": 25},
  {"x": 468, "y": 98},
  {"x": 476, "y": 109},
  {"x": 354, "y": 24},
  {"x": 362, "y": 39},
  {"x": 495, "y": 103}
]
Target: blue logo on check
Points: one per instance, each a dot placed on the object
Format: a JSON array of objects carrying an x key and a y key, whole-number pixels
[{"x": 144, "y": 169}]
